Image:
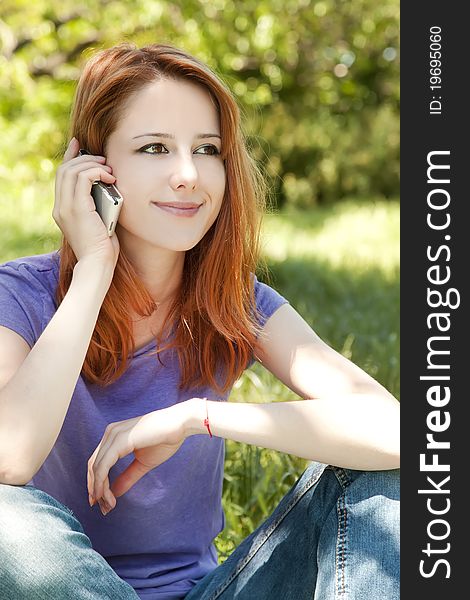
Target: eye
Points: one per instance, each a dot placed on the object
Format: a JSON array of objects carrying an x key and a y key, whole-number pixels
[
  {"x": 157, "y": 145},
  {"x": 213, "y": 150}
]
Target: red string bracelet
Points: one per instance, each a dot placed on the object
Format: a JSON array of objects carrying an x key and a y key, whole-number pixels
[{"x": 206, "y": 421}]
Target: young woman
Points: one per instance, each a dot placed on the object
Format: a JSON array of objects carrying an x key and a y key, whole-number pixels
[{"x": 117, "y": 355}]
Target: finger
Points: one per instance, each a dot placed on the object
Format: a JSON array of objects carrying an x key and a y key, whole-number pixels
[
  {"x": 84, "y": 162},
  {"x": 73, "y": 169},
  {"x": 97, "y": 454},
  {"x": 66, "y": 183},
  {"x": 123, "y": 483},
  {"x": 71, "y": 156},
  {"x": 90, "y": 474},
  {"x": 79, "y": 161},
  {"x": 72, "y": 149},
  {"x": 104, "y": 508},
  {"x": 91, "y": 500},
  {"x": 70, "y": 153},
  {"x": 110, "y": 452},
  {"x": 76, "y": 185},
  {"x": 91, "y": 467},
  {"x": 71, "y": 172},
  {"x": 100, "y": 471},
  {"x": 85, "y": 180},
  {"x": 108, "y": 496},
  {"x": 107, "y": 502}
]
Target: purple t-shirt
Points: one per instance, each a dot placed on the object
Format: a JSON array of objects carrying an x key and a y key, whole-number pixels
[{"x": 159, "y": 538}]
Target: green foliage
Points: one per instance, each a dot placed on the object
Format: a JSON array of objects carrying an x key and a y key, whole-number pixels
[{"x": 317, "y": 83}]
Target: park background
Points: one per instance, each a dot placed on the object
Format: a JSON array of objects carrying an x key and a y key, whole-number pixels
[{"x": 318, "y": 86}]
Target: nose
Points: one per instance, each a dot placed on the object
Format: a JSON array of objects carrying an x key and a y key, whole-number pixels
[{"x": 184, "y": 173}]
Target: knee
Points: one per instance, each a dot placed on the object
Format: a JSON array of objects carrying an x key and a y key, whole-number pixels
[
  {"x": 391, "y": 479},
  {"x": 371, "y": 483},
  {"x": 373, "y": 498},
  {"x": 17, "y": 515},
  {"x": 29, "y": 516},
  {"x": 383, "y": 483},
  {"x": 27, "y": 512},
  {"x": 31, "y": 542}
]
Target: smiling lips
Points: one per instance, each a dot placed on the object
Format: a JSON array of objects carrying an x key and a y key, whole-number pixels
[{"x": 181, "y": 209}]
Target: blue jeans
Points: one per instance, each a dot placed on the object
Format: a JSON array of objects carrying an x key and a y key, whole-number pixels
[{"x": 333, "y": 536}]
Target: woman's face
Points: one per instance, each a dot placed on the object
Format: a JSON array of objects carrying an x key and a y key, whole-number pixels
[{"x": 165, "y": 157}]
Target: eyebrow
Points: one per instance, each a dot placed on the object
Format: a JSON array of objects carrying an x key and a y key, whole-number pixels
[{"x": 172, "y": 137}]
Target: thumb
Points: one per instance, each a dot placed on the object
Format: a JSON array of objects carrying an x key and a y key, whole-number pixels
[{"x": 123, "y": 482}]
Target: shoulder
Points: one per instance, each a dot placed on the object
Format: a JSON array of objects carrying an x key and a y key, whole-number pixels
[
  {"x": 27, "y": 294},
  {"x": 267, "y": 300},
  {"x": 37, "y": 273}
]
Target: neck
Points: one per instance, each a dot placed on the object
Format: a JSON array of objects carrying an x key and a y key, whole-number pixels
[{"x": 160, "y": 269}]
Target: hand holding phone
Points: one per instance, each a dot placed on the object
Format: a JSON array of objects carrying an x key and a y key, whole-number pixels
[
  {"x": 75, "y": 211},
  {"x": 108, "y": 201}
]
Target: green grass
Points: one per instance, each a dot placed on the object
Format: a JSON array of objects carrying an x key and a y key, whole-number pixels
[{"x": 339, "y": 268}]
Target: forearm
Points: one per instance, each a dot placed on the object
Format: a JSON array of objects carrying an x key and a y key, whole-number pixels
[
  {"x": 355, "y": 431},
  {"x": 34, "y": 402}
]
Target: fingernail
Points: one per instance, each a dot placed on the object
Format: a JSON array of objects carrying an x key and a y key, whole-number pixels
[{"x": 90, "y": 500}]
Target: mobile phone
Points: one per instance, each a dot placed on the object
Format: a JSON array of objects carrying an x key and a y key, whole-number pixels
[{"x": 108, "y": 201}]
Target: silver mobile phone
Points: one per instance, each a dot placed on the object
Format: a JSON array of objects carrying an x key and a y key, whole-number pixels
[{"x": 108, "y": 201}]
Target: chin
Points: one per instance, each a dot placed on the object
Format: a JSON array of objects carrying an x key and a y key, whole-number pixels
[
  {"x": 178, "y": 241},
  {"x": 175, "y": 243},
  {"x": 180, "y": 246}
]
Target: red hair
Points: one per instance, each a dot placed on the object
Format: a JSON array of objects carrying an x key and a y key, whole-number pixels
[{"x": 213, "y": 320}]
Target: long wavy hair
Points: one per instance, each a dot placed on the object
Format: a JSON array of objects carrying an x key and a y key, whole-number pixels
[{"x": 213, "y": 320}]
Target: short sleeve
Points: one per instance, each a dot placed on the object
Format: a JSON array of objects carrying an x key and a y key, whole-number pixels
[
  {"x": 21, "y": 302},
  {"x": 267, "y": 301}
]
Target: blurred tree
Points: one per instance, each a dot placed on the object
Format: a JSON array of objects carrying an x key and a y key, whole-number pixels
[{"x": 317, "y": 82}]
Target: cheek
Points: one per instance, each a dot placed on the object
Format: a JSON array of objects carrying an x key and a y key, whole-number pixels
[
  {"x": 216, "y": 206},
  {"x": 218, "y": 184},
  {"x": 133, "y": 184},
  {"x": 217, "y": 199}
]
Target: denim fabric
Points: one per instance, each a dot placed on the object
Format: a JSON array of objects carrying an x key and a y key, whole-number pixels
[
  {"x": 45, "y": 555},
  {"x": 334, "y": 535}
]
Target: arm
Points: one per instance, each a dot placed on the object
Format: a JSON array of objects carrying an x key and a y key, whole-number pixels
[
  {"x": 346, "y": 418},
  {"x": 34, "y": 402}
]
